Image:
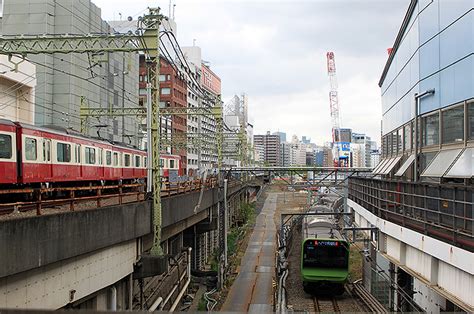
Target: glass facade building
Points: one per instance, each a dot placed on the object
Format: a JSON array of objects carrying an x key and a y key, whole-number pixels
[{"x": 433, "y": 53}]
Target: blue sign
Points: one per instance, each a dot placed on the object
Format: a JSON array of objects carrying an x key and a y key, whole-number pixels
[{"x": 345, "y": 146}]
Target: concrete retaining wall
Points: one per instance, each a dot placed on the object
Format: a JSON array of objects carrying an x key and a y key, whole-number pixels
[{"x": 37, "y": 241}]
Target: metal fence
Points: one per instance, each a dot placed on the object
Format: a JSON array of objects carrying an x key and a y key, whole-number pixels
[{"x": 441, "y": 211}]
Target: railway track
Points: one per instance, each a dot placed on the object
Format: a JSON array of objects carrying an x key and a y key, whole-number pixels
[
  {"x": 364, "y": 296},
  {"x": 325, "y": 304}
]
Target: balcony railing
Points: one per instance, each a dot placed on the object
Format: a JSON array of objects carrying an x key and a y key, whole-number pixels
[{"x": 441, "y": 211}]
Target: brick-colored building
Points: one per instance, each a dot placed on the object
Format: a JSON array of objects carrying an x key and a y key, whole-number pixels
[{"x": 173, "y": 93}]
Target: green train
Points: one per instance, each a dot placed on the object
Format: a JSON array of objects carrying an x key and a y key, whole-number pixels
[{"x": 324, "y": 256}]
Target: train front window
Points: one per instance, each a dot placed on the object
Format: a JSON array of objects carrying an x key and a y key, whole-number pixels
[
  {"x": 6, "y": 146},
  {"x": 324, "y": 254}
]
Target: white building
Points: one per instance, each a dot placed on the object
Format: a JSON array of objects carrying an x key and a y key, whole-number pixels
[{"x": 17, "y": 90}]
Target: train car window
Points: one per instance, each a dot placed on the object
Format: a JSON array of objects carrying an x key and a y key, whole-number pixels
[
  {"x": 108, "y": 157},
  {"x": 127, "y": 160},
  {"x": 101, "y": 155},
  {"x": 171, "y": 164},
  {"x": 46, "y": 150},
  {"x": 31, "y": 151},
  {"x": 6, "y": 150},
  {"x": 116, "y": 159},
  {"x": 162, "y": 162},
  {"x": 145, "y": 162},
  {"x": 137, "y": 161},
  {"x": 78, "y": 153},
  {"x": 63, "y": 152},
  {"x": 90, "y": 155}
]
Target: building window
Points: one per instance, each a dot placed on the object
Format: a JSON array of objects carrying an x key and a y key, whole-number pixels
[
  {"x": 430, "y": 130},
  {"x": 90, "y": 155},
  {"x": 470, "y": 113},
  {"x": 137, "y": 161},
  {"x": 165, "y": 91},
  {"x": 6, "y": 149},
  {"x": 407, "y": 134},
  {"x": 63, "y": 152},
  {"x": 30, "y": 148},
  {"x": 108, "y": 158},
  {"x": 127, "y": 160},
  {"x": 453, "y": 125},
  {"x": 162, "y": 77},
  {"x": 425, "y": 160}
]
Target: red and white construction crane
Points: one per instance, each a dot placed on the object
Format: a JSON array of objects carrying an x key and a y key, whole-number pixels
[{"x": 334, "y": 106}]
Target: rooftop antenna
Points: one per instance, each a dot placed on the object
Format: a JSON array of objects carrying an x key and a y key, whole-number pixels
[
  {"x": 174, "y": 7},
  {"x": 169, "y": 9}
]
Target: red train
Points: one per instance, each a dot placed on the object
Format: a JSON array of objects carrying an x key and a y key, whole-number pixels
[{"x": 31, "y": 155}]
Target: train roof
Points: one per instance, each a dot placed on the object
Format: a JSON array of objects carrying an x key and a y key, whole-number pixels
[
  {"x": 6, "y": 122},
  {"x": 320, "y": 227}
]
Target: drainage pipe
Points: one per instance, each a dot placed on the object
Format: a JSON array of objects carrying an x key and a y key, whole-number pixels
[{"x": 186, "y": 285}]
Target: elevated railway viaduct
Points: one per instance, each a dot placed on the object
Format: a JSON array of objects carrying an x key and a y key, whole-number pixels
[{"x": 86, "y": 258}]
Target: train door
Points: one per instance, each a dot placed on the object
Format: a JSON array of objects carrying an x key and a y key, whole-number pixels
[
  {"x": 79, "y": 160},
  {"x": 47, "y": 159}
]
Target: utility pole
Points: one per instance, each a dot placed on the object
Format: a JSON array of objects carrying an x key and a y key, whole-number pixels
[{"x": 151, "y": 23}]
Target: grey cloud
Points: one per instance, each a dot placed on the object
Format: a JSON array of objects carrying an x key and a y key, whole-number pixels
[{"x": 275, "y": 51}]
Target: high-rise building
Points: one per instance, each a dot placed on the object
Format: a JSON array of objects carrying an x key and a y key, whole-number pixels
[
  {"x": 173, "y": 93},
  {"x": 271, "y": 147},
  {"x": 285, "y": 154},
  {"x": 362, "y": 143},
  {"x": 282, "y": 136}
]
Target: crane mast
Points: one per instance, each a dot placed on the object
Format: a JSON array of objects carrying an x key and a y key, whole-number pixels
[{"x": 334, "y": 105}]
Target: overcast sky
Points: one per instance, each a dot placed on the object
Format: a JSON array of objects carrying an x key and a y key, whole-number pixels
[{"x": 275, "y": 51}]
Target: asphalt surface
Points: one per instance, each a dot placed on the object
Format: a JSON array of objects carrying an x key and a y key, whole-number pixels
[{"x": 252, "y": 290}]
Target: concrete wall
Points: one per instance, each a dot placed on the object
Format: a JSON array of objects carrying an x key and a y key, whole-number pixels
[
  {"x": 58, "y": 284},
  {"x": 180, "y": 207},
  {"x": 446, "y": 270},
  {"x": 436, "y": 52},
  {"x": 38, "y": 241}
]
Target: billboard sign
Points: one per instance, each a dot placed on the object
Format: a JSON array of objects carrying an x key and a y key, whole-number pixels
[{"x": 344, "y": 149}]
